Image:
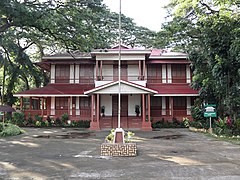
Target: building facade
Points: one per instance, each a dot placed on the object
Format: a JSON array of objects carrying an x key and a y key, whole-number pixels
[{"x": 155, "y": 85}]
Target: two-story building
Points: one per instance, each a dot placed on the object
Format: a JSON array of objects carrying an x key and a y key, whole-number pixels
[{"x": 155, "y": 84}]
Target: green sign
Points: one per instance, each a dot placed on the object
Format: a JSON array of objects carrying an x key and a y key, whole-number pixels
[
  {"x": 210, "y": 114},
  {"x": 210, "y": 110}
]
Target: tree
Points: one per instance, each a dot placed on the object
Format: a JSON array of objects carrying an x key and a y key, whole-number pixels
[
  {"x": 209, "y": 31},
  {"x": 53, "y": 26}
]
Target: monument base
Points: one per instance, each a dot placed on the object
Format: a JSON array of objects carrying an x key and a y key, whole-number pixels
[{"x": 119, "y": 149}]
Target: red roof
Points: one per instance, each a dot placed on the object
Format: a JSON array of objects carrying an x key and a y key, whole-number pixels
[
  {"x": 176, "y": 89},
  {"x": 58, "y": 89}
]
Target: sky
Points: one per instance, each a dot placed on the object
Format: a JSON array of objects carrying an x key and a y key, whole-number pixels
[{"x": 147, "y": 13}]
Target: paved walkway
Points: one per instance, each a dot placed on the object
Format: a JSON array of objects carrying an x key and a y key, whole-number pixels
[{"x": 75, "y": 154}]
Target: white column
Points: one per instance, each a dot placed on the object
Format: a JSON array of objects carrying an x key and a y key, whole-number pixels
[
  {"x": 188, "y": 105},
  {"x": 77, "y": 106},
  {"x": 77, "y": 73},
  {"x": 52, "y": 105},
  {"x": 163, "y": 105},
  {"x": 188, "y": 75},
  {"x": 164, "y": 73},
  {"x": 52, "y": 78},
  {"x": 170, "y": 105},
  {"x": 71, "y": 80},
  {"x": 169, "y": 73},
  {"x": 70, "y": 106}
]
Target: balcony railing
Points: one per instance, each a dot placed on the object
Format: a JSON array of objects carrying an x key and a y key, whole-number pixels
[
  {"x": 58, "y": 112},
  {"x": 150, "y": 79},
  {"x": 81, "y": 80},
  {"x": 115, "y": 78},
  {"x": 164, "y": 112}
]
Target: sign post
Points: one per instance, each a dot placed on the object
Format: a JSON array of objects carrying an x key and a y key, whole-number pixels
[{"x": 210, "y": 111}]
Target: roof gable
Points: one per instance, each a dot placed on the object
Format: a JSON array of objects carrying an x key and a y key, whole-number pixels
[{"x": 126, "y": 88}]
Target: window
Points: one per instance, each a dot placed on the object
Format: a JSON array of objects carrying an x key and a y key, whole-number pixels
[
  {"x": 62, "y": 73},
  {"x": 86, "y": 73},
  {"x": 178, "y": 73},
  {"x": 85, "y": 102},
  {"x": 179, "y": 103},
  {"x": 61, "y": 103},
  {"x": 156, "y": 106},
  {"x": 154, "y": 73}
]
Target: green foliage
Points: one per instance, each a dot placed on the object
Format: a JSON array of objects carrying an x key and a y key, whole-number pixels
[
  {"x": 186, "y": 122},
  {"x": 81, "y": 123},
  {"x": 174, "y": 123},
  {"x": 197, "y": 111},
  {"x": 38, "y": 123},
  {"x": 8, "y": 129},
  {"x": 30, "y": 120},
  {"x": 209, "y": 32},
  {"x": 64, "y": 117},
  {"x": 127, "y": 136},
  {"x": 54, "y": 26},
  {"x": 110, "y": 137},
  {"x": 38, "y": 118},
  {"x": 224, "y": 126},
  {"x": 58, "y": 121},
  {"x": 18, "y": 118}
]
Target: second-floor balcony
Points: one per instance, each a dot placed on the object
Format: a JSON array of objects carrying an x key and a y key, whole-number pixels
[{"x": 106, "y": 79}]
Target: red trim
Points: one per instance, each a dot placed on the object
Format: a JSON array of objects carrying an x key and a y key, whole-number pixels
[
  {"x": 97, "y": 108},
  {"x": 92, "y": 109},
  {"x": 59, "y": 89},
  {"x": 168, "y": 61},
  {"x": 173, "y": 88},
  {"x": 143, "y": 108}
]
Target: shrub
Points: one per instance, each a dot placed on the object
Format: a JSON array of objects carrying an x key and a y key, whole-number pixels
[
  {"x": 64, "y": 117},
  {"x": 38, "y": 118},
  {"x": 81, "y": 123},
  {"x": 30, "y": 120},
  {"x": 58, "y": 121},
  {"x": 222, "y": 127},
  {"x": 38, "y": 123},
  {"x": 18, "y": 118},
  {"x": 8, "y": 129},
  {"x": 236, "y": 127},
  {"x": 185, "y": 122},
  {"x": 127, "y": 136}
]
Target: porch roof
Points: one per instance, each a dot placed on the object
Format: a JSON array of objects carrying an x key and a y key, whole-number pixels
[
  {"x": 56, "y": 90},
  {"x": 126, "y": 88},
  {"x": 174, "y": 89}
]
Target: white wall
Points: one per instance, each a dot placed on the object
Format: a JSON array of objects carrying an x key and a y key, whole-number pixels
[
  {"x": 132, "y": 72},
  {"x": 77, "y": 106},
  {"x": 125, "y": 89},
  {"x": 164, "y": 73},
  {"x": 71, "y": 80},
  {"x": 163, "y": 105},
  {"x": 76, "y": 73},
  {"x": 71, "y": 106},
  {"x": 52, "y": 105},
  {"x": 106, "y": 100},
  {"x": 188, "y": 74},
  {"x": 169, "y": 73},
  {"x": 132, "y": 101},
  {"x": 52, "y": 73},
  {"x": 188, "y": 105}
]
